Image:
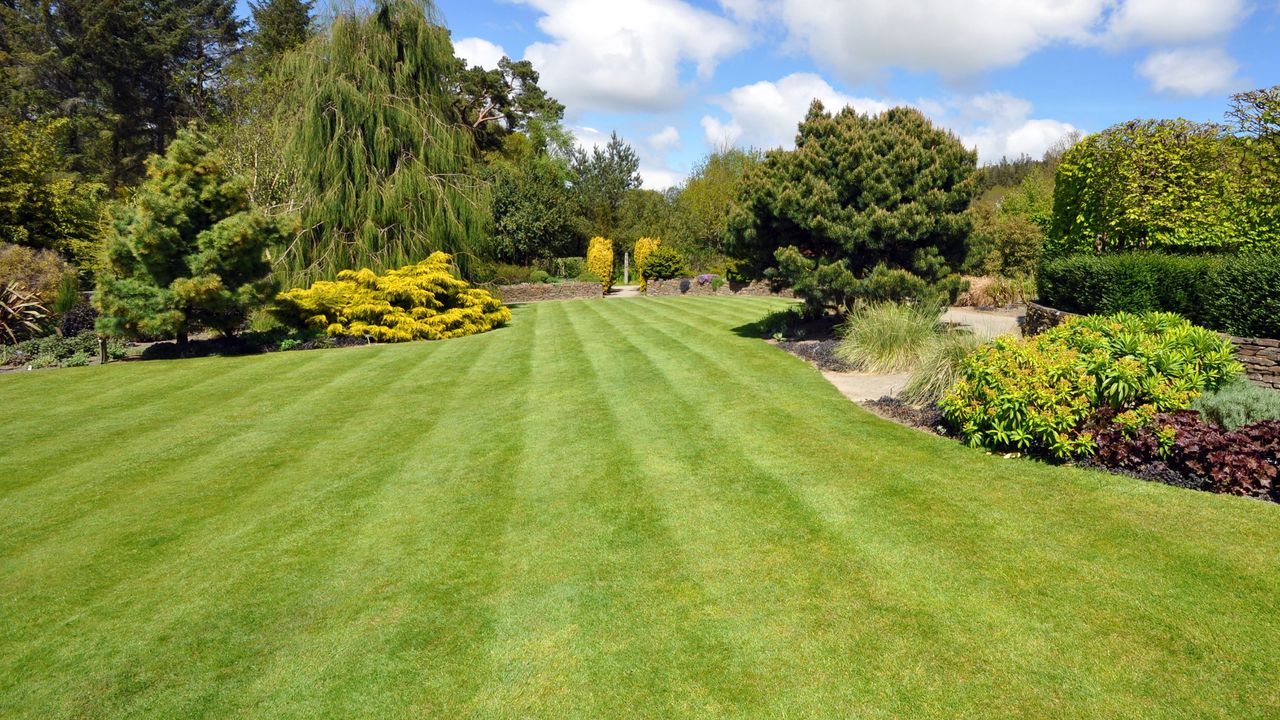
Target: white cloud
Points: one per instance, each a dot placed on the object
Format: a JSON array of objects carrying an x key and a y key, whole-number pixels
[
  {"x": 478, "y": 51},
  {"x": 659, "y": 178},
  {"x": 765, "y": 114},
  {"x": 1163, "y": 22},
  {"x": 1190, "y": 71},
  {"x": 665, "y": 140},
  {"x": 627, "y": 56},
  {"x": 999, "y": 125},
  {"x": 858, "y": 40}
]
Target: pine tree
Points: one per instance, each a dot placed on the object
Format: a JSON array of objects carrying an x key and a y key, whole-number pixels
[
  {"x": 384, "y": 172},
  {"x": 186, "y": 252},
  {"x": 278, "y": 27}
]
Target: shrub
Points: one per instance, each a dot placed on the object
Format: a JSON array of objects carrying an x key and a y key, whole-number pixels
[
  {"x": 1237, "y": 403},
  {"x": 644, "y": 246},
  {"x": 80, "y": 318},
  {"x": 539, "y": 276},
  {"x": 21, "y": 314},
  {"x": 39, "y": 271},
  {"x": 663, "y": 263},
  {"x": 415, "y": 302},
  {"x": 600, "y": 261},
  {"x": 941, "y": 366},
  {"x": 1130, "y": 282},
  {"x": 1245, "y": 295},
  {"x": 1244, "y": 461},
  {"x": 1230, "y": 293},
  {"x": 888, "y": 337},
  {"x": 567, "y": 267},
  {"x": 1037, "y": 394},
  {"x": 54, "y": 351}
]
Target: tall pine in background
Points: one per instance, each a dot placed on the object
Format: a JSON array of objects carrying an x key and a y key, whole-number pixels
[
  {"x": 278, "y": 27},
  {"x": 383, "y": 172}
]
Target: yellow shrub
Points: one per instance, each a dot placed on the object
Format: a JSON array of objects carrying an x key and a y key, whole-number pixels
[
  {"x": 600, "y": 260},
  {"x": 416, "y": 302},
  {"x": 644, "y": 246}
]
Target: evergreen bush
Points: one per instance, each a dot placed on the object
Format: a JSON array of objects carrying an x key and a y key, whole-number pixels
[
  {"x": 424, "y": 301},
  {"x": 600, "y": 261}
]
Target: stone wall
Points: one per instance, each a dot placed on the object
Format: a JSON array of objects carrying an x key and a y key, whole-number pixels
[
  {"x": 690, "y": 286},
  {"x": 1260, "y": 356},
  {"x": 536, "y": 292}
]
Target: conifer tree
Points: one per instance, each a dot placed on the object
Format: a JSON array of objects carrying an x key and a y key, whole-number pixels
[
  {"x": 186, "y": 252},
  {"x": 278, "y": 27},
  {"x": 384, "y": 172}
]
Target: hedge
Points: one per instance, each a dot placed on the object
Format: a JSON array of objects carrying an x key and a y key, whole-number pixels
[{"x": 1234, "y": 294}]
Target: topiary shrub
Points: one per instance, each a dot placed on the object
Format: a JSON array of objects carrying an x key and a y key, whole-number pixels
[
  {"x": 600, "y": 261},
  {"x": 663, "y": 263},
  {"x": 425, "y": 301},
  {"x": 644, "y": 246},
  {"x": 1037, "y": 394}
]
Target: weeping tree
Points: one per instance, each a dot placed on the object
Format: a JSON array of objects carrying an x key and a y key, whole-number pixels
[{"x": 383, "y": 172}]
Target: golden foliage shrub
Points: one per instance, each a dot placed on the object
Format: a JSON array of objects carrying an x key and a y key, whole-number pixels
[
  {"x": 644, "y": 246},
  {"x": 424, "y": 301},
  {"x": 600, "y": 261}
]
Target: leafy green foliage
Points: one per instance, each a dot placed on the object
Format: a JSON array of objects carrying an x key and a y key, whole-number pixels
[
  {"x": 700, "y": 213},
  {"x": 21, "y": 313},
  {"x": 1239, "y": 402},
  {"x": 1158, "y": 184},
  {"x": 423, "y": 301},
  {"x": 539, "y": 276},
  {"x": 384, "y": 173},
  {"x": 888, "y": 337},
  {"x": 663, "y": 263},
  {"x": 57, "y": 351},
  {"x": 1231, "y": 293},
  {"x": 857, "y": 191},
  {"x": 534, "y": 215},
  {"x": 41, "y": 205},
  {"x": 186, "y": 252},
  {"x": 1038, "y": 394}
]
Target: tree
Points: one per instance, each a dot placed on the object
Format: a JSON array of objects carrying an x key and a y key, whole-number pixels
[
  {"x": 278, "y": 27},
  {"x": 385, "y": 173},
  {"x": 533, "y": 212},
  {"x": 1151, "y": 184},
  {"x": 1256, "y": 116},
  {"x": 42, "y": 205},
  {"x": 602, "y": 179},
  {"x": 702, "y": 204},
  {"x": 494, "y": 103},
  {"x": 186, "y": 252},
  {"x": 126, "y": 74},
  {"x": 857, "y": 191}
]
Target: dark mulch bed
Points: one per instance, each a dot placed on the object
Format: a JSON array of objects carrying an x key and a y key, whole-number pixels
[
  {"x": 928, "y": 419},
  {"x": 818, "y": 352},
  {"x": 1152, "y": 472},
  {"x": 245, "y": 344}
]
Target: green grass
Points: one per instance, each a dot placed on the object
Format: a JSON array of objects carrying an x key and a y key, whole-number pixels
[{"x": 607, "y": 509}]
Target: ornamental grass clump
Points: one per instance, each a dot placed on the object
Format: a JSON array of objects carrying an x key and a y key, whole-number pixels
[
  {"x": 941, "y": 365},
  {"x": 424, "y": 301},
  {"x": 1039, "y": 394},
  {"x": 888, "y": 337}
]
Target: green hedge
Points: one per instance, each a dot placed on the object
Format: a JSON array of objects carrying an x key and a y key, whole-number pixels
[{"x": 1236, "y": 294}]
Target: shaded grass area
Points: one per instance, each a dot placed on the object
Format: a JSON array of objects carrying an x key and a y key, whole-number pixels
[{"x": 607, "y": 509}]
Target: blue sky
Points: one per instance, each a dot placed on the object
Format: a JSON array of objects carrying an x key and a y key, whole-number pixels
[{"x": 676, "y": 78}]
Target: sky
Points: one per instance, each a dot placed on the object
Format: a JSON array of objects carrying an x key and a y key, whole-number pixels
[{"x": 679, "y": 78}]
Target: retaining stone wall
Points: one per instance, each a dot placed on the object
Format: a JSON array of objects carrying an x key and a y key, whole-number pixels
[
  {"x": 1260, "y": 356},
  {"x": 537, "y": 292},
  {"x": 690, "y": 286}
]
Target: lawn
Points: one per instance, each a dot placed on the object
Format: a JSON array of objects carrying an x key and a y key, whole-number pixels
[{"x": 606, "y": 509}]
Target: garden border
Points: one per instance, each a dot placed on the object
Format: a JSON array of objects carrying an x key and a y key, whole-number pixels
[
  {"x": 538, "y": 292},
  {"x": 1260, "y": 356},
  {"x": 691, "y": 286}
]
